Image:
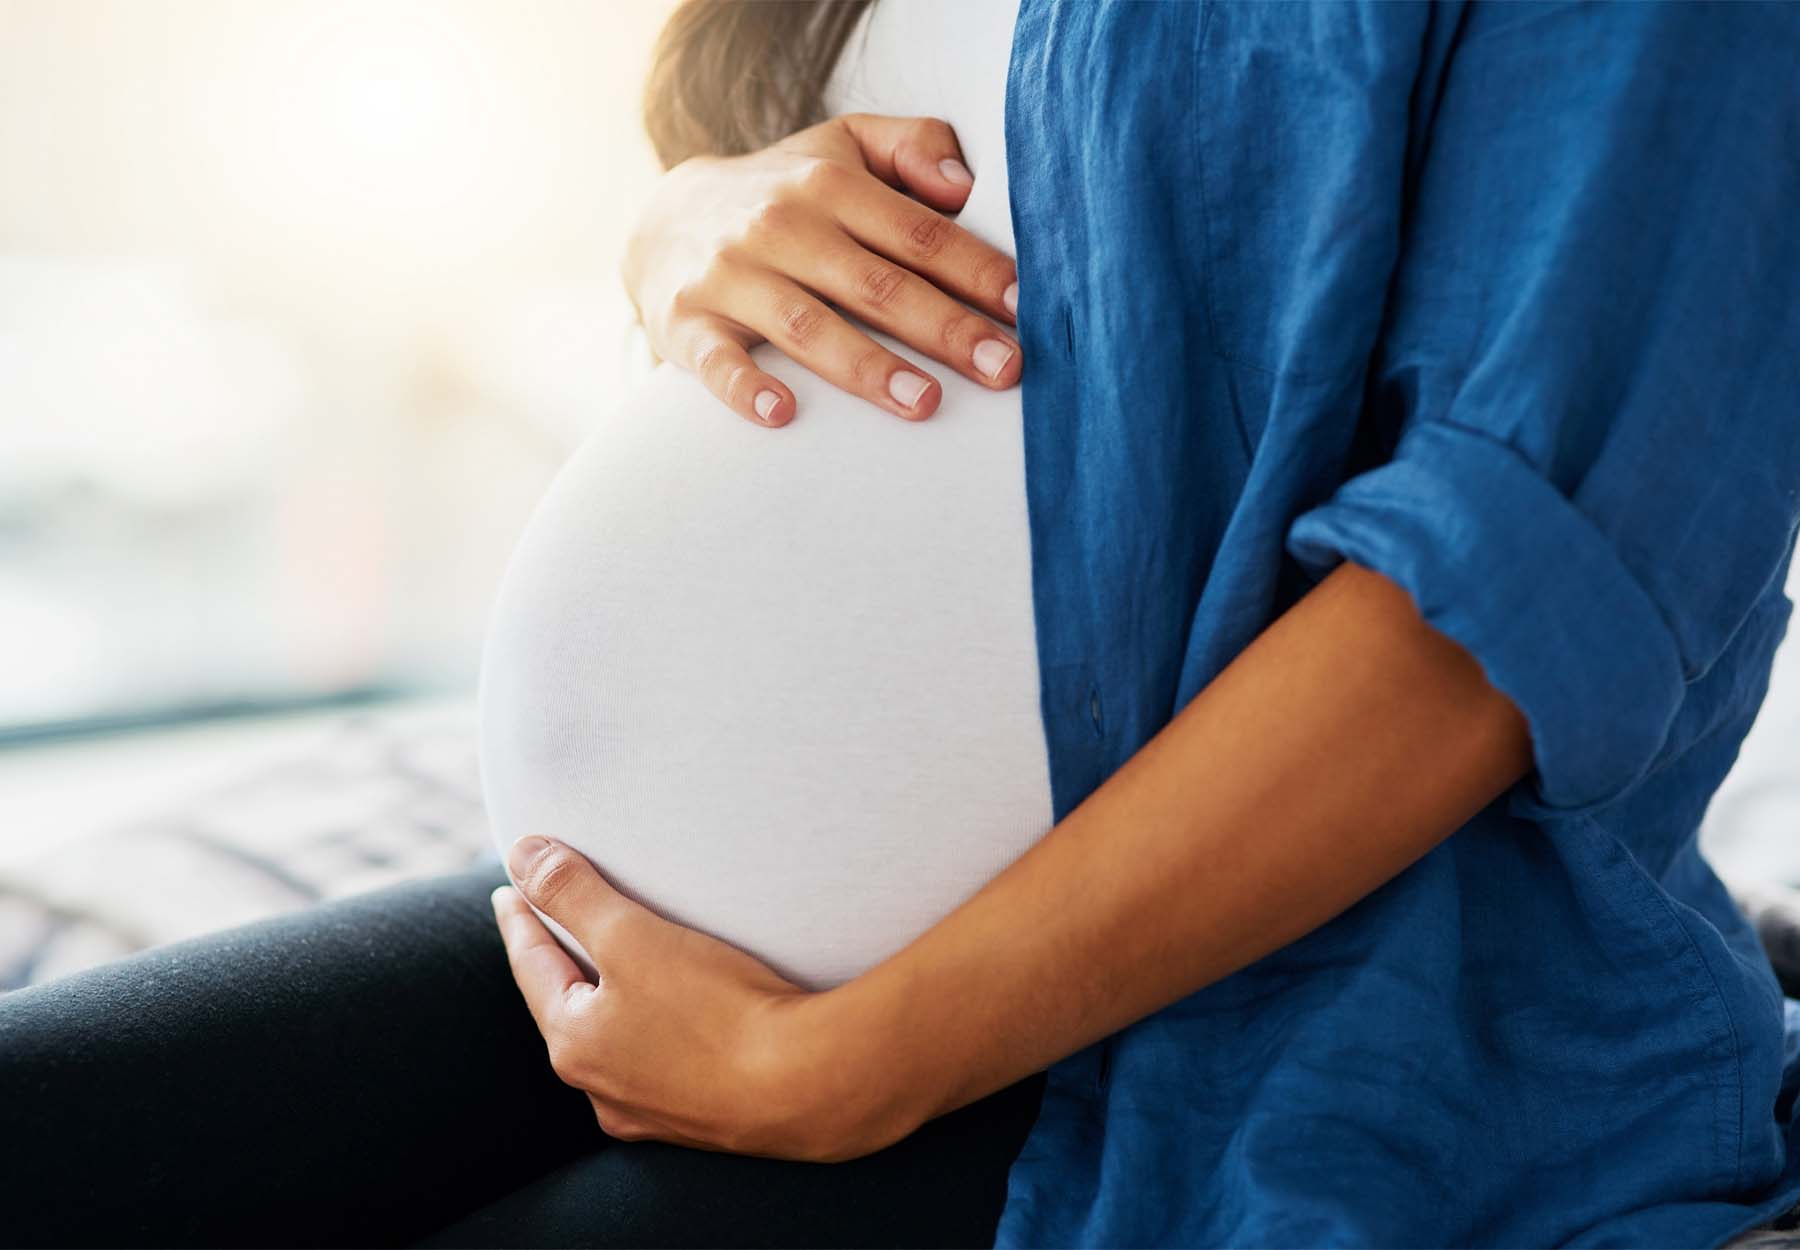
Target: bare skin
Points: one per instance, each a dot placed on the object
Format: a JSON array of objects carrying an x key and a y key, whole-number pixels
[
  {"x": 732, "y": 251},
  {"x": 1343, "y": 744}
]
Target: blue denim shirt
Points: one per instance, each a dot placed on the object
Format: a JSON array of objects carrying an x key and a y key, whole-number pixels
[{"x": 1503, "y": 302}]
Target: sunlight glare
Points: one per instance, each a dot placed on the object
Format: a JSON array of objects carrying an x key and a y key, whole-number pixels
[{"x": 390, "y": 100}]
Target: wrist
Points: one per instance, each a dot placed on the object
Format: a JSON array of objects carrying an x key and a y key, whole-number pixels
[{"x": 841, "y": 1076}]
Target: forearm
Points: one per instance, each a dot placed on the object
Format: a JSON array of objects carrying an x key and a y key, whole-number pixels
[{"x": 1340, "y": 747}]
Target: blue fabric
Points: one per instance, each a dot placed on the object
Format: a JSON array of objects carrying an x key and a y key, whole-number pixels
[{"x": 1503, "y": 302}]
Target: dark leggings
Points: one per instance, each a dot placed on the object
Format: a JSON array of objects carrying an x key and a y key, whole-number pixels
[{"x": 364, "y": 1073}]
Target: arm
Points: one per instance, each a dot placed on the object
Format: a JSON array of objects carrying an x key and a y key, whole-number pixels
[{"x": 1341, "y": 746}]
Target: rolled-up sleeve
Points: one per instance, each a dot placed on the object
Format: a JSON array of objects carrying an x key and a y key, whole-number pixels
[{"x": 1591, "y": 367}]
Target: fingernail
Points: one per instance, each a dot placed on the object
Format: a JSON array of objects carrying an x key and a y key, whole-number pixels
[
  {"x": 765, "y": 403},
  {"x": 498, "y": 897},
  {"x": 991, "y": 356},
  {"x": 1011, "y": 299},
  {"x": 955, "y": 171},
  {"x": 906, "y": 388},
  {"x": 523, "y": 852}
]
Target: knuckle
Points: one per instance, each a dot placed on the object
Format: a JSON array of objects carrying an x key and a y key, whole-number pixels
[
  {"x": 990, "y": 273},
  {"x": 801, "y": 323},
  {"x": 926, "y": 234},
  {"x": 713, "y": 274},
  {"x": 605, "y": 931},
  {"x": 870, "y": 368},
  {"x": 933, "y": 135},
  {"x": 701, "y": 287},
  {"x": 818, "y": 175},
  {"x": 709, "y": 360},
  {"x": 720, "y": 367},
  {"x": 737, "y": 379},
  {"x": 768, "y": 221},
  {"x": 959, "y": 333},
  {"x": 849, "y": 123},
  {"x": 935, "y": 130},
  {"x": 880, "y": 285},
  {"x": 552, "y": 874},
  {"x": 685, "y": 299},
  {"x": 564, "y": 1061}
]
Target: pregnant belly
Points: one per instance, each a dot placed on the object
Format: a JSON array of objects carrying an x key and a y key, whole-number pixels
[{"x": 780, "y": 685}]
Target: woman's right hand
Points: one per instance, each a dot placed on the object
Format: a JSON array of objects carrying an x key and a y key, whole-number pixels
[{"x": 732, "y": 251}]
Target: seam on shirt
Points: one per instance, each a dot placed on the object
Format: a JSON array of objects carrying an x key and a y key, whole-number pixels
[
  {"x": 1737, "y": 1048},
  {"x": 1199, "y": 163},
  {"x": 1662, "y": 614},
  {"x": 1652, "y": 895},
  {"x": 1206, "y": 259},
  {"x": 1195, "y": 269}
]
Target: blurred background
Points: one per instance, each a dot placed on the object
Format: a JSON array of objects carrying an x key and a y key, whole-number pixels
[
  {"x": 301, "y": 304},
  {"x": 300, "y": 301}
]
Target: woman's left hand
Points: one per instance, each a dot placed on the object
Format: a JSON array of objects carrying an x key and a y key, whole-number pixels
[{"x": 685, "y": 1039}]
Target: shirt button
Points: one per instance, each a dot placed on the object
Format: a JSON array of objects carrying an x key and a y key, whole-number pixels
[{"x": 1094, "y": 711}]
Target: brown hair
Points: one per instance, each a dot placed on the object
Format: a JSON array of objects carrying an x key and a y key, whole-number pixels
[{"x": 731, "y": 76}]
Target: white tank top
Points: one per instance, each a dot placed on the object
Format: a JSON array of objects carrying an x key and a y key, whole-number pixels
[{"x": 782, "y": 685}]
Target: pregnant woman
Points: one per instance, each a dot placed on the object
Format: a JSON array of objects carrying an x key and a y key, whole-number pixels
[{"x": 1238, "y": 786}]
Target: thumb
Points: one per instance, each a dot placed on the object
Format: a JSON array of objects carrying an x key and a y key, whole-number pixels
[
  {"x": 560, "y": 882},
  {"x": 915, "y": 154}
]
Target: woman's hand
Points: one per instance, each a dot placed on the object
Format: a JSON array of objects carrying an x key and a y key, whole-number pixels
[
  {"x": 731, "y": 251},
  {"x": 685, "y": 1039}
]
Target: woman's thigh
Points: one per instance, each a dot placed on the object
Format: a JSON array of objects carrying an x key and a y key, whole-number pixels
[
  {"x": 362, "y": 1072},
  {"x": 942, "y": 1186}
]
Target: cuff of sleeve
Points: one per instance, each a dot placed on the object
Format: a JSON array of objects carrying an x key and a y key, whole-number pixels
[{"x": 1501, "y": 561}]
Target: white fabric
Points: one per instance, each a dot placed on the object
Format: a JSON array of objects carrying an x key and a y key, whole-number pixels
[{"x": 782, "y": 684}]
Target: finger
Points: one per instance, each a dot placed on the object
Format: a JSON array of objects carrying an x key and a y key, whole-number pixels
[
  {"x": 929, "y": 244},
  {"x": 717, "y": 355},
  {"x": 916, "y": 154},
  {"x": 803, "y": 326},
  {"x": 891, "y": 298},
  {"x": 560, "y": 882},
  {"x": 540, "y": 967}
]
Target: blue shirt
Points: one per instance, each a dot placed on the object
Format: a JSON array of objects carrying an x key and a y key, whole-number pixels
[{"x": 1503, "y": 302}]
